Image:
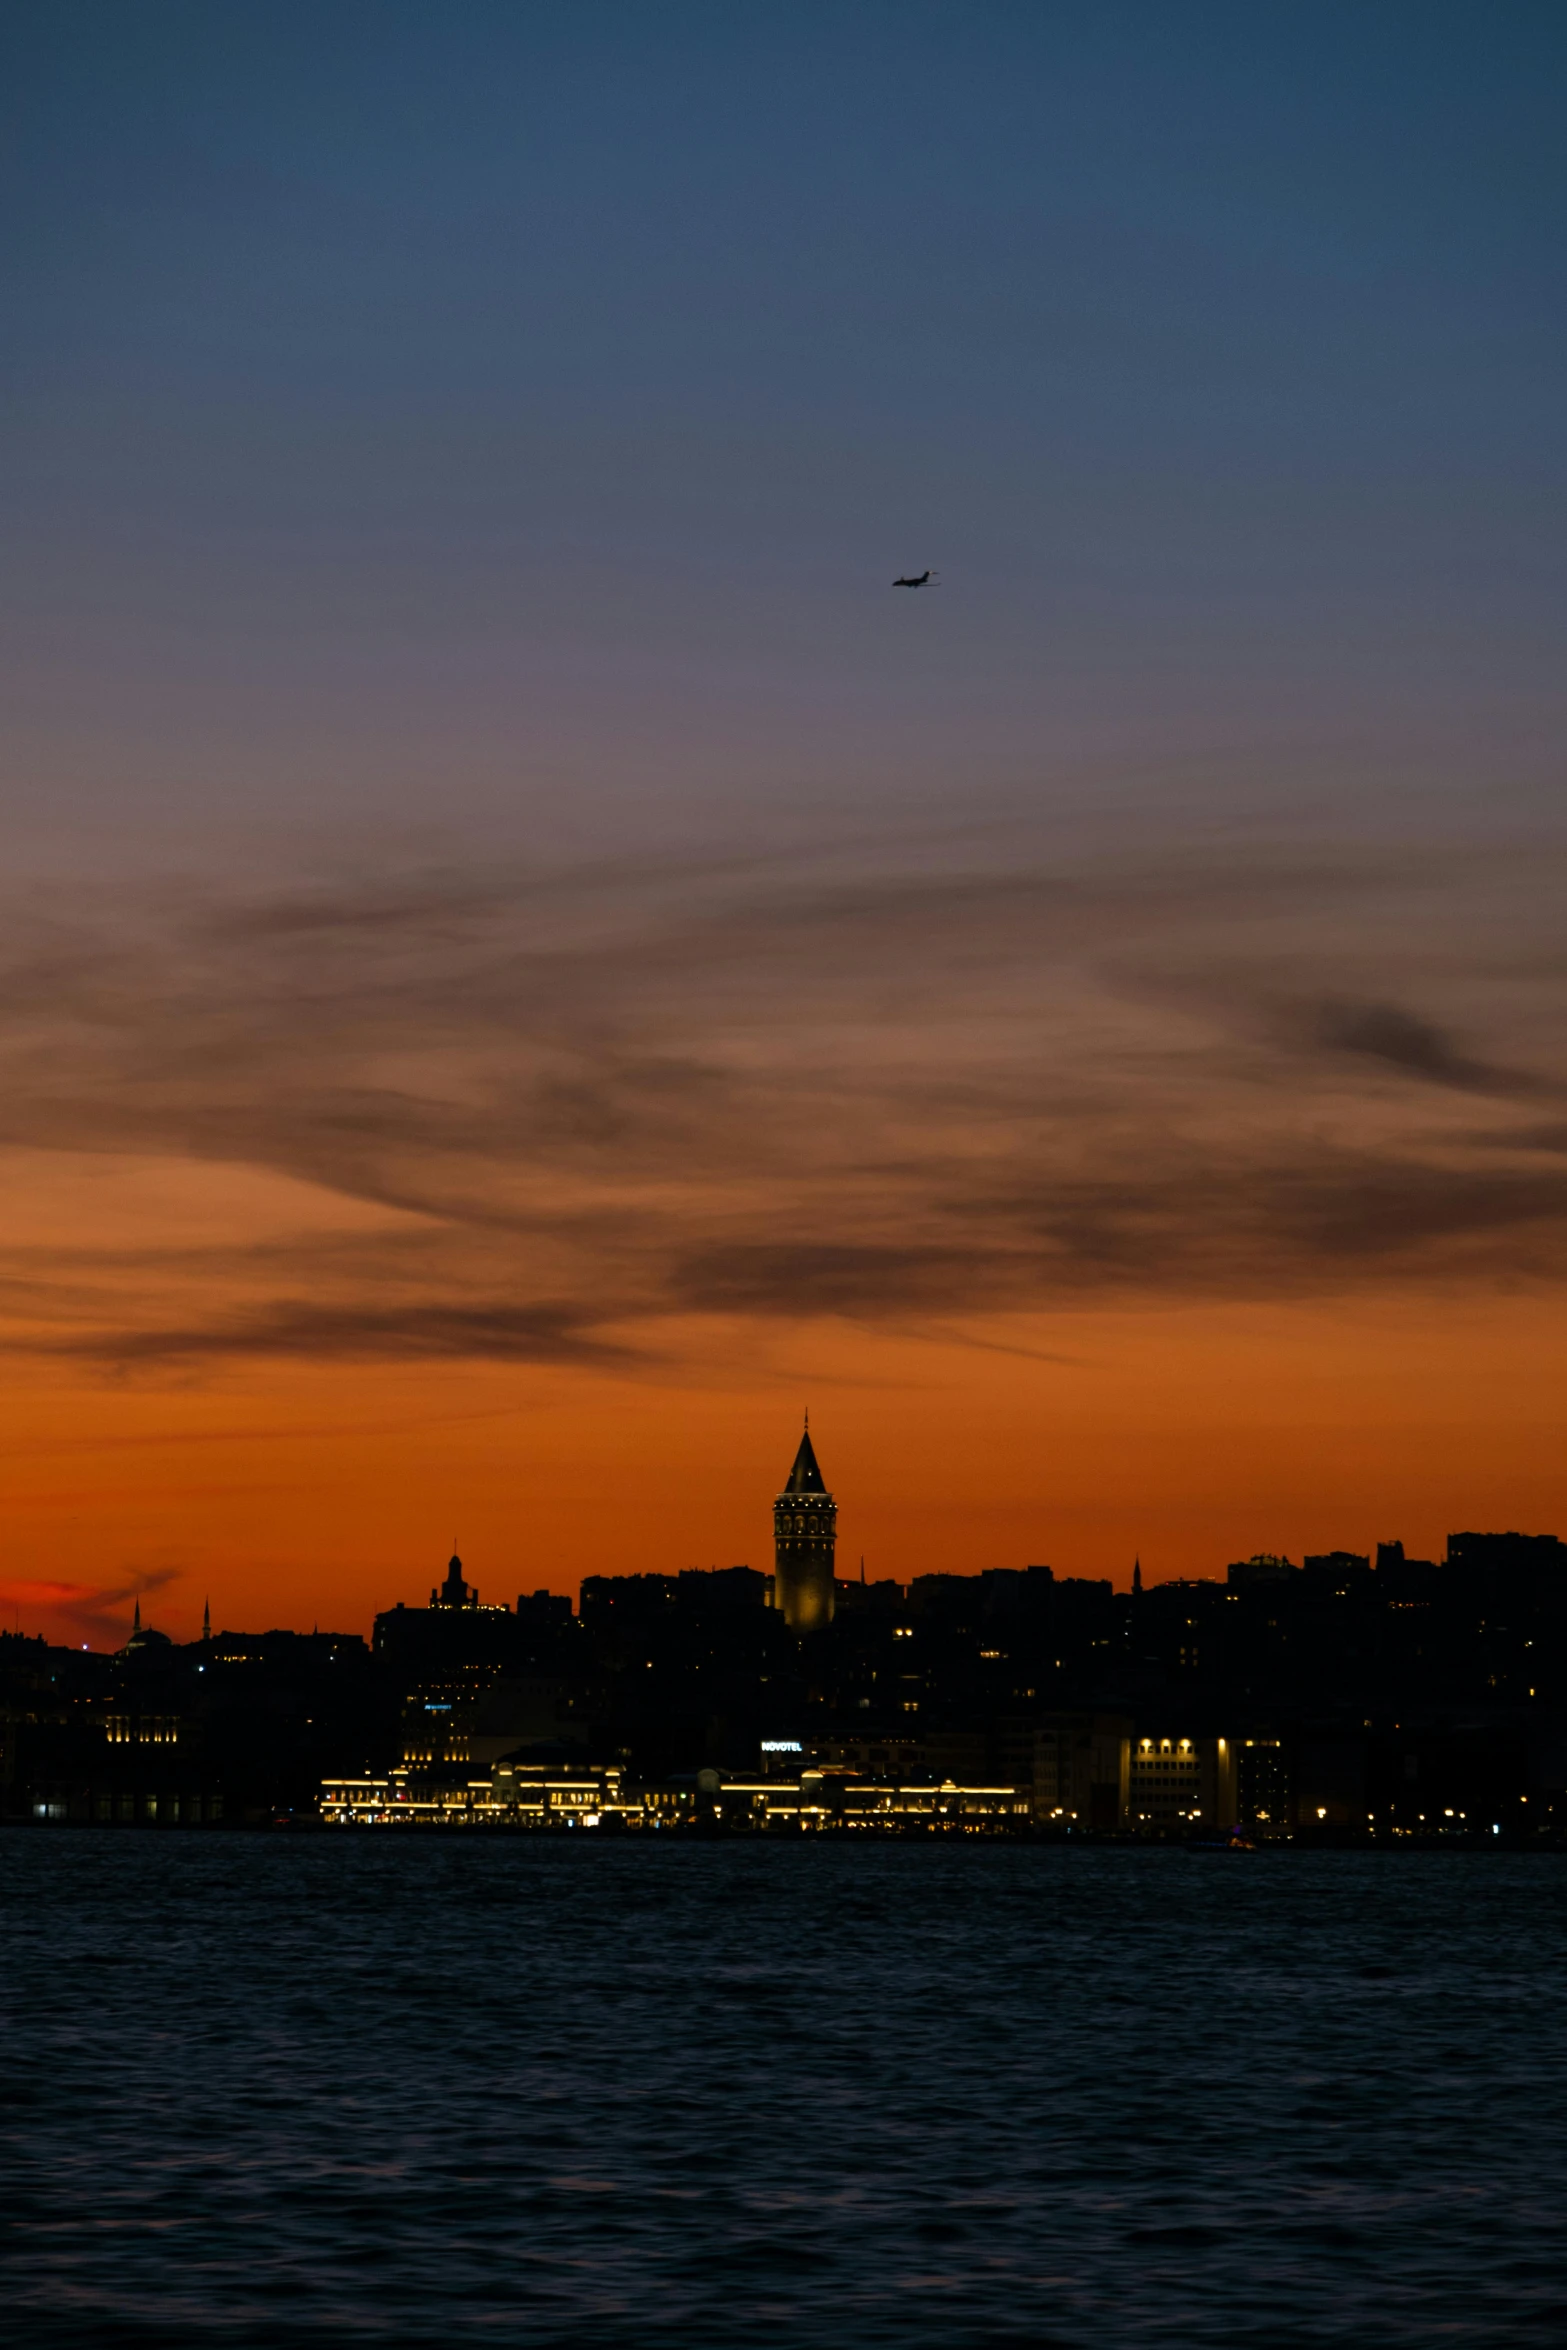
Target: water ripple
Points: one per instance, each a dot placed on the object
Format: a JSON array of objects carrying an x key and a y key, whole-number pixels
[{"x": 580, "y": 2096}]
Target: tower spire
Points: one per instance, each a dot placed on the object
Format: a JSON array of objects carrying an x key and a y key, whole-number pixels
[
  {"x": 206, "y": 1619},
  {"x": 805, "y": 1520},
  {"x": 1137, "y": 1578},
  {"x": 136, "y": 1618}
]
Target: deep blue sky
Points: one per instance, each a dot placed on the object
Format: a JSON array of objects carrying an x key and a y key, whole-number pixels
[{"x": 513, "y": 415}]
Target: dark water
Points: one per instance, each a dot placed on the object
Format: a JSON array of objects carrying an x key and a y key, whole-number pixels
[{"x": 552, "y": 2093}]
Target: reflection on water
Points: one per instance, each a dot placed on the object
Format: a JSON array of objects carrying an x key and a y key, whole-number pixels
[{"x": 571, "y": 2093}]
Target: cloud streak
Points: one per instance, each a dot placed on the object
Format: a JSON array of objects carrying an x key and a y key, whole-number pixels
[
  {"x": 101, "y": 1611},
  {"x": 416, "y": 1332},
  {"x": 1399, "y": 1040},
  {"x": 584, "y": 1104}
]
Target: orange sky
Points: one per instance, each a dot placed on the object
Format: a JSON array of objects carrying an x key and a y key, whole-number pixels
[
  {"x": 1190, "y": 1436},
  {"x": 1098, "y": 1204}
]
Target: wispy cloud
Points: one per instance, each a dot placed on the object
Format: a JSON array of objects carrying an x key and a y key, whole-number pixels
[
  {"x": 101, "y": 1612},
  {"x": 1400, "y": 1040},
  {"x": 539, "y": 1334},
  {"x": 590, "y": 1102}
]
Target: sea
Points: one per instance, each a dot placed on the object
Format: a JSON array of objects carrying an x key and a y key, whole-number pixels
[{"x": 575, "y": 2091}]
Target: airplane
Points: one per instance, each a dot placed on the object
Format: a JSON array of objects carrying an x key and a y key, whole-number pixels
[{"x": 919, "y": 581}]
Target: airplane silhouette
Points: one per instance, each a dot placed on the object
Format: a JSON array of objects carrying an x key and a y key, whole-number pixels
[{"x": 919, "y": 582}]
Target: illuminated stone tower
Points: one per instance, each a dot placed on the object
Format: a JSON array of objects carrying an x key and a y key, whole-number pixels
[{"x": 805, "y": 1535}]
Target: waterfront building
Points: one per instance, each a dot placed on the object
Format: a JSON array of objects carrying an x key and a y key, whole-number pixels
[
  {"x": 1082, "y": 1770},
  {"x": 817, "y": 1801},
  {"x": 1264, "y": 1796},
  {"x": 805, "y": 1540},
  {"x": 1178, "y": 1783},
  {"x": 516, "y": 1794}
]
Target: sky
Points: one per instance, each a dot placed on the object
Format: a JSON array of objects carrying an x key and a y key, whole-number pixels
[{"x": 525, "y": 962}]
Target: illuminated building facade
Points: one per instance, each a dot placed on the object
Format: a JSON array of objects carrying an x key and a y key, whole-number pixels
[
  {"x": 1179, "y": 1783},
  {"x": 514, "y": 1795},
  {"x": 816, "y": 1802},
  {"x": 805, "y": 1542}
]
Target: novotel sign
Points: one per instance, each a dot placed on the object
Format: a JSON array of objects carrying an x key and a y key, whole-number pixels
[{"x": 782, "y": 1746}]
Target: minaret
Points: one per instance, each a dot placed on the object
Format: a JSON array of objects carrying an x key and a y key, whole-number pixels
[
  {"x": 206, "y": 1619},
  {"x": 805, "y": 1533}
]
